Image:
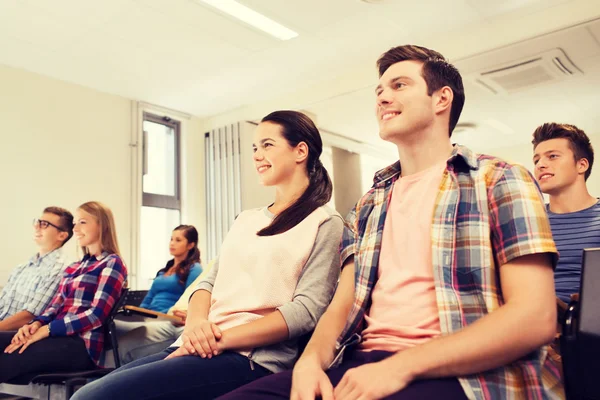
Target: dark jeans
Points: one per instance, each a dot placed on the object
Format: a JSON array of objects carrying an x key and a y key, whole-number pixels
[
  {"x": 53, "y": 354},
  {"x": 187, "y": 377},
  {"x": 278, "y": 386}
]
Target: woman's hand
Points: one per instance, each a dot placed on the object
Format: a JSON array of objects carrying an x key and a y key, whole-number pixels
[
  {"x": 181, "y": 314},
  {"x": 199, "y": 338},
  {"x": 36, "y": 336},
  {"x": 25, "y": 332}
]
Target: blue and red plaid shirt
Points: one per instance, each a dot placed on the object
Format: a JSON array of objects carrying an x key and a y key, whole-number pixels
[
  {"x": 487, "y": 213},
  {"x": 86, "y": 295}
]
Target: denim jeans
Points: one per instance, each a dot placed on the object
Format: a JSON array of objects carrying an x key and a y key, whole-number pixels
[{"x": 155, "y": 378}]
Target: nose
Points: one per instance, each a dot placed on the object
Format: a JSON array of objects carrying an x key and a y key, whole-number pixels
[
  {"x": 541, "y": 165},
  {"x": 75, "y": 228},
  {"x": 257, "y": 156},
  {"x": 384, "y": 97}
]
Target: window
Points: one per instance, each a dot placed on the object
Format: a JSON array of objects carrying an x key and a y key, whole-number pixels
[{"x": 161, "y": 200}]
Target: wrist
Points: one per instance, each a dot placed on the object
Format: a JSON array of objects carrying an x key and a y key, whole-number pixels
[{"x": 402, "y": 364}]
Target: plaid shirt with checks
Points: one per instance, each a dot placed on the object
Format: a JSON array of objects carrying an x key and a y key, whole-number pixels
[
  {"x": 86, "y": 295},
  {"x": 487, "y": 213}
]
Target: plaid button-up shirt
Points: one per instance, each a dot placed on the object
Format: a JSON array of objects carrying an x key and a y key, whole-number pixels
[
  {"x": 487, "y": 213},
  {"x": 31, "y": 286},
  {"x": 86, "y": 295}
]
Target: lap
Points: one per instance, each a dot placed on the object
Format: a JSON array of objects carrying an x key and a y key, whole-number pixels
[
  {"x": 156, "y": 378},
  {"x": 278, "y": 386}
]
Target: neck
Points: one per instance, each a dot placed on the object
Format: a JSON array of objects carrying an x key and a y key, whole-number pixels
[
  {"x": 45, "y": 250},
  {"x": 95, "y": 249},
  {"x": 572, "y": 199},
  {"x": 288, "y": 192},
  {"x": 178, "y": 260},
  {"x": 423, "y": 150}
]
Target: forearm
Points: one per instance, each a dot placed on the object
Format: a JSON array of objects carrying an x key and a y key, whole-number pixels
[
  {"x": 16, "y": 321},
  {"x": 199, "y": 305},
  {"x": 322, "y": 345},
  {"x": 267, "y": 330},
  {"x": 498, "y": 339}
]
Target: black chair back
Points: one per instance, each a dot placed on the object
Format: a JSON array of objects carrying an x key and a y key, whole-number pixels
[{"x": 580, "y": 343}]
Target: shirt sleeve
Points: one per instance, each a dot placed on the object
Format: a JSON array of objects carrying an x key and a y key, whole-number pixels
[
  {"x": 209, "y": 280},
  {"x": 52, "y": 310},
  {"x": 317, "y": 282},
  {"x": 147, "y": 302},
  {"x": 348, "y": 242},
  {"x": 46, "y": 290},
  {"x": 518, "y": 218},
  {"x": 110, "y": 283}
]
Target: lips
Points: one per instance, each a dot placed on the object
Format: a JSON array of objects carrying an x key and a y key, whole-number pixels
[
  {"x": 387, "y": 115},
  {"x": 545, "y": 176},
  {"x": 262, "y": 168}
]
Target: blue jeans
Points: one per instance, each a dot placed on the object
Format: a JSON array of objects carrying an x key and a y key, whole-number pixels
[{"x": 155, "y": 378}]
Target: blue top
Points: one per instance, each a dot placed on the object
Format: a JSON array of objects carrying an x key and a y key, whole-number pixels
[
  {"x": 166, "y": 290},
  {"x": 572, "y": 233}
]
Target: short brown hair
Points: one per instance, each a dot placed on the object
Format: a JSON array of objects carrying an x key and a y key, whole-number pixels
[
  {"x": 66, "y": 220},
  {"x": 437, "y": 73},
  {"x": 579, "y": 142}
]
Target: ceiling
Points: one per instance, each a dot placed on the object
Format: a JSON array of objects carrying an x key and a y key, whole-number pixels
[{"x": 188, "y": 57}]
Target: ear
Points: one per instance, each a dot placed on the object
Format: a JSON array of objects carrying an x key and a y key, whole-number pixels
[
  {"x": 582, "y": 166},
  {"x": 62, "y": 236},
  {"x": 190, "y": 246},
  {"x": 443, "y": 99},
  {"x": 301, "y": 152}
]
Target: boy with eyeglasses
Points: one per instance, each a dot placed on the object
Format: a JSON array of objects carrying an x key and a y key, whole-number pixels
[{"x": 33, "y": 284}]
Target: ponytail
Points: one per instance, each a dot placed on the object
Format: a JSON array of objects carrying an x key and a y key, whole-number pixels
[{"x": 317, "y": 194}]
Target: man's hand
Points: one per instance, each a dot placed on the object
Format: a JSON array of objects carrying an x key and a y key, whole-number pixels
[
  {"x": 371, "y": 381},
  {"x": 37, "y": 335},
  {"x": 310, "y": 381}
]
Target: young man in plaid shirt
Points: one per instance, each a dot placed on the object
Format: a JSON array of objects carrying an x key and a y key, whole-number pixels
[
  {"x": 32, "y": 285},
  {"x": 447, "y": 283}
]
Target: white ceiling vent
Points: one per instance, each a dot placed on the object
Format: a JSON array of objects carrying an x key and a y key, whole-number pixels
[{"x": 547, "y": 67}]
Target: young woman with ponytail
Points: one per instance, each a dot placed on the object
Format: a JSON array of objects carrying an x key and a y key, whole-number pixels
[
  {"x": 178, "y": 274},
  {"x": 273, "y": 280}
]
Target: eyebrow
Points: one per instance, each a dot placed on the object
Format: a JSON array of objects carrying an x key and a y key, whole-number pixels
[
  {"x": 546, "y": 152},
  {"x": 392, "y": 81},
  {"x": 263, "y": 141}
]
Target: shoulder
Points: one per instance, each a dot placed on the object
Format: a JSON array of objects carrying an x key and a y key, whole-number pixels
[
  {"x": 115, "y": 262},
  {"x": 494, "y": 169},
  {"x": 196, "y": 267}
]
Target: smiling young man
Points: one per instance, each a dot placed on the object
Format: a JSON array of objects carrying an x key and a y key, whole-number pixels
[
  {"x": 563, "y": 158},
  {"x": 32, "y": 285},
  {"x": 447, "y": 286}
]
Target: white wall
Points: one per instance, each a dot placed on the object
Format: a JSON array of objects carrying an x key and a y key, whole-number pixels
[{"x": 63, "y": 144}]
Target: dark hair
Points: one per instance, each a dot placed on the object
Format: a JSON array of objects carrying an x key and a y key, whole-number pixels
[
  {"x": 296, "y": 128},
  {"x": 193, "y": 255},
  {"x": 437, "y": 73},
  {"x": 66, "y": 220},
  {"x": 579, "y": 142}
]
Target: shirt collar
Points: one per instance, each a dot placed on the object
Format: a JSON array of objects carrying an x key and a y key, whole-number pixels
[
  {"x": 89, "y": 257},
  {"x": 460, "y": 154},
  {"x": 54, "y": 253}
]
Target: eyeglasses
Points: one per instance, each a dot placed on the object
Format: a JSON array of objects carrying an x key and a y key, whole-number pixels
[{"x": 43, "y": 224}]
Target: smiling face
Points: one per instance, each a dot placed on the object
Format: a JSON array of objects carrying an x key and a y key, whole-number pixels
[
  {"x": 555, "y": 166},
  {"x": 86, "y": 229},
  {"x": 47, "y": 236},
  {"x": 403, "y": 105},
  {"x": 275, "y": 160}
]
